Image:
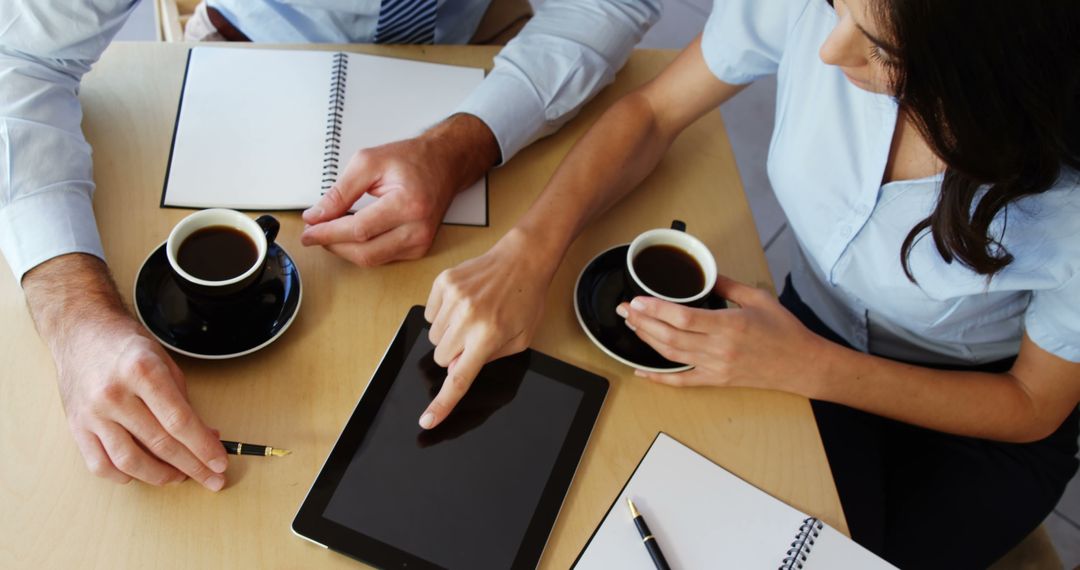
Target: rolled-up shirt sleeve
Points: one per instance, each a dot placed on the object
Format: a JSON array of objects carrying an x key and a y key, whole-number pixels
[
  {"x": 46, "y": 182},
  {"x": 744, "y": 40},
  {"x": 568, "y": 51},
  {"x": 1052, "y": 319}
]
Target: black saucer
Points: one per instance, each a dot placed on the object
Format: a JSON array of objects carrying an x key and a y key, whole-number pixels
[
  {"x": 599, "y": 289},
  {"x": 218, "y": 330}
]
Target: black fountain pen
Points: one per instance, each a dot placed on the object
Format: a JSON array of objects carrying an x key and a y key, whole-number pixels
[
  {"x": 237, "y": 448},
  {"x": 647, "y": 538}
]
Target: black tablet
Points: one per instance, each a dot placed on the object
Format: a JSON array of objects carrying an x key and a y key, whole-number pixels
[{"x": 481, "y": 490}]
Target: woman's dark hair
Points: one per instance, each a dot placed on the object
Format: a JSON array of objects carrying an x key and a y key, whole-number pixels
[{"x": 994, "y": 88}]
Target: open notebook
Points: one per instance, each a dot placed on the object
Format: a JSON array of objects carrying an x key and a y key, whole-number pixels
[
  {"x": 263, "y": 129},
  {"x": 704, "y": 517}
]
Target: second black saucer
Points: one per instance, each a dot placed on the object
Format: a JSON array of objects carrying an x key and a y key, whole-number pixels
[{"x": 600, "y": 288}]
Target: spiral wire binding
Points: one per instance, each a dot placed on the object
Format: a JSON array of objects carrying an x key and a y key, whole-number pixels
[
  {"x": 795, "y": 557},
  {"x": 334, "y": 113}
]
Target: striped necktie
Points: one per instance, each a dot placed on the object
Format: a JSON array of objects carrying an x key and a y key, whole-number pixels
[{"x": 406, "y": 22}]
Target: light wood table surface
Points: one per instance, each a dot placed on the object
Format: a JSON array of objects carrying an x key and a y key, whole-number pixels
[{"x": 298, "y": 392}]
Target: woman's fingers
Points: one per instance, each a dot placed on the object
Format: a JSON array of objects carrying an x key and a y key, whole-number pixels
[
  {"x": 459, "y": 378},
  {"x": 677, "y": 316},
  {"x": 741, "y": 293},
  {"x": 666, "y": 350},
  {"x": 693, "y": 377},
  {"x": 662, "y": 331}
]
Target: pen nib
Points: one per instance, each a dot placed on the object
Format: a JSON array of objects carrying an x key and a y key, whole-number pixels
[
  {"x": 279, "y": 452},
  {"x": 633, "y": 510}
]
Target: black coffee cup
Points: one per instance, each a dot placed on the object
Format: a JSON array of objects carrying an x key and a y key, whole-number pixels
[
  {"x": 234, "y": 226},
  {"x": 677, "y": 254}
]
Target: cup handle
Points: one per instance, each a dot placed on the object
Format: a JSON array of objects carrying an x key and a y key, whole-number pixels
[
  {"x": 270, "y": 227},
  {"x": 678, "y": 225}
]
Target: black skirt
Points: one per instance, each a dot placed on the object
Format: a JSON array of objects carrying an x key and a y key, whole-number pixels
[{"x": 920, "y": 498}]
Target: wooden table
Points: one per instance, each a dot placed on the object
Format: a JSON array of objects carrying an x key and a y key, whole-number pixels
[{"x": 298, "y": 392}]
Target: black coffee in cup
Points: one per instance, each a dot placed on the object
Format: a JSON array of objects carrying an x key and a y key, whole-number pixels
[
  {"x": 217, "y": 253},
  {"x": 670, "y": 271}
]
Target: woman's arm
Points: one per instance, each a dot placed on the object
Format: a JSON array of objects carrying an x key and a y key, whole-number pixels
[
  {"x": 762, "y": 345},
  {"x": 621, "y": 149},
  {"x": 489, "y": 307},
  {"x": 1025, "y": 404}
]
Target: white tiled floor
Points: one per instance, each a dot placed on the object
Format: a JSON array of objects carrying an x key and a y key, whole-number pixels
[{"x": 749, "y": 120}]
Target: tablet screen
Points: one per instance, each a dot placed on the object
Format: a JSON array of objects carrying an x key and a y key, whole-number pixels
[
  {"x": 478, "y": 474},
  {"x": 481, "y": 490}
]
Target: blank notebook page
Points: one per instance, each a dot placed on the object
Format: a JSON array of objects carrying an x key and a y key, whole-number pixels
[
  {"x": 262, "y": 129},
  {"x": 250, "y": 131},
  {"x": 704, "y": 517}
]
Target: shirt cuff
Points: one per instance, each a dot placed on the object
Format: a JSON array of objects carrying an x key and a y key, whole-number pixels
[
  {"x": 42, "y": 225},
  {"x": 510, "y": 108}
]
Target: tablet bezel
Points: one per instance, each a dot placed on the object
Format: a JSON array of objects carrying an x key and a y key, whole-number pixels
[{"x": 310, "y": 523}]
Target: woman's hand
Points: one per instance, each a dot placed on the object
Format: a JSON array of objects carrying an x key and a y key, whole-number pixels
[
  {"x": 759, "y": 344},
  {"x": 486, "y": 308}
]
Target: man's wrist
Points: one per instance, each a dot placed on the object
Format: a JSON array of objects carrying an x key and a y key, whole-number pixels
[
  {"x": 68, "y": 293},
  {"x": 467, "y": 145}
]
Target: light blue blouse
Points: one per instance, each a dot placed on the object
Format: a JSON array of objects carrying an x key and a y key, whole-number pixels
[{"x": 826, "y": 161}]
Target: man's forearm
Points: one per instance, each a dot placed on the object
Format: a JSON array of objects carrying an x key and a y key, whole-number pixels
[{"x": 68, "y": 292}]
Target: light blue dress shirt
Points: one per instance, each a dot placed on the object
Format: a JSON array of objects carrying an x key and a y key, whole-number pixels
[
  {"x": 569, "y": 50},
  {"x": 826, "y": 162}
]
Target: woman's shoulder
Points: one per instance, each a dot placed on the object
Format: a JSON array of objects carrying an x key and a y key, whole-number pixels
[
  {"x": 1060, "y": 202},
  {"x": 744, "y": 40},
  {"x": 1069, "y": 179},
  {"x": 1042, "y": 231}
]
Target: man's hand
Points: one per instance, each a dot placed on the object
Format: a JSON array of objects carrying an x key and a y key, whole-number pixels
[
  {"x": 414, "y": 180},
  {"x": 125, "y": 399}
]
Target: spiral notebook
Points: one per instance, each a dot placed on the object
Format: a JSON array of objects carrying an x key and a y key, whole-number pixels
[
  {"x": 271, "y": 129},
  {"x": 704, "y": 517}
]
